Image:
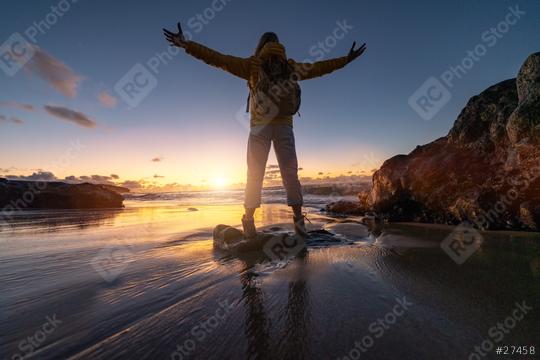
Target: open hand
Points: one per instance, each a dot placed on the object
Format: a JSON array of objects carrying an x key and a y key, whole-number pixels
[
  {"x": 176, "y": 39},
  {"x": 354, "y": 53}
]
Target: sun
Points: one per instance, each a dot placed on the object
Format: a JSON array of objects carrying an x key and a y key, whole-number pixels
[{"x": 219, "y": 182}]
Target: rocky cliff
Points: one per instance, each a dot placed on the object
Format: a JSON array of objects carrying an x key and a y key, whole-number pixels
[{"x": 486, "y": 170}]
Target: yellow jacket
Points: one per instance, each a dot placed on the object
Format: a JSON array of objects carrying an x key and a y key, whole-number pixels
[{"x": 247, "y": 69}]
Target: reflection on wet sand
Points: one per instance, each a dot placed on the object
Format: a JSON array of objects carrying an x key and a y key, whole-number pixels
[
  {"x": 297, "y": 313},
  {"x": 59, "y": 220},
  {"x": 258, "y": 325}
]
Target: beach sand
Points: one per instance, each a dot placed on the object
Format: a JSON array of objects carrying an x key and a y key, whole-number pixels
[{"x": 145, "y": 282}]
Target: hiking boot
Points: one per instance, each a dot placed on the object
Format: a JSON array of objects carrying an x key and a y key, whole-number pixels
[
  {"x": 300, "y": 226},
  {"x": 250, "y": 231}
]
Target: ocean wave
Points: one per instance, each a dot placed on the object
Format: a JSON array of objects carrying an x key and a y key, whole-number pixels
[{"x": 269, "y": 196}]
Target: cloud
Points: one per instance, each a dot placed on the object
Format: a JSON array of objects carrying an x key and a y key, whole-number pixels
[
  {"x": 94, "y": 179},
  {"x": 320, "y": 173},
  {"x": 17, "y": 105},
  {"x": 272, "y": 166},
  {"x": 100, "y": 178},
  {"x": 70, "y": 115},
  {"x": 107, "y": 99},
  {"x": 157, "y": 159},
  {"x": 10, "y": 169},
  {"x": 156, "y": 176},
  {"x": 55, "y": 72},
  {"x": 4, "y": 171},
  {"x": 131, "y": 184},
  {"x": 40, "y": 175},
  {"x": 13, "y": 120}
]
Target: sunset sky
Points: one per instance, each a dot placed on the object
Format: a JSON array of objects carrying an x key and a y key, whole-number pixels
[{"x": 62, "y": 111}]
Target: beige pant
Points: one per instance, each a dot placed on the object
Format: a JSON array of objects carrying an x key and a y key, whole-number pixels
[{"x": 260, "y": 139}]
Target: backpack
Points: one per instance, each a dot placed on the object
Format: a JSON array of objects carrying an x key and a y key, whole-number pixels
[{"x": 273, "y": 97}]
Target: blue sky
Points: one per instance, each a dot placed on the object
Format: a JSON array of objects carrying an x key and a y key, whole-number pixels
[{"x": 350, "y": 120}]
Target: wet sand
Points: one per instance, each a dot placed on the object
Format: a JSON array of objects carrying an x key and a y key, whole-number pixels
[{"x": 145, "y": 282}]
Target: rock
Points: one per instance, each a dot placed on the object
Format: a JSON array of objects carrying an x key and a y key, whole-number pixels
[
  {"x": 528, "y": 80},
  {"x": 535, "y": 266},
  {"x": 482, "y": 122},
  {"x": 363, "y": 198},
  {"x": 20, "y": 195},
  {"x": 524, "y": 123},
  {"x": 528, "y": 214},
  {"x": 218, "y": 229},
  {"x": 345, "y": 207},
  {"x": 348, "y": 188},
  {"x": 486, "y": 170},
  {"x": 226, "y": 236}
]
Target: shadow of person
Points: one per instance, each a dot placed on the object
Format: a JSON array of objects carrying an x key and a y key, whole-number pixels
[
  {"x": 297, "y": 313},
  {"x": 258, "y": 325}
]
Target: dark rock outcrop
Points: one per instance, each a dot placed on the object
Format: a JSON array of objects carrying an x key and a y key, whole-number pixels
[
  {"x": 345, "y": 207},
  {"x": 351, "y": 207},
  {"x": 486, "y": 170},
  {"x": 20, "y": 195},
  {"x": 342, "y": 189}
]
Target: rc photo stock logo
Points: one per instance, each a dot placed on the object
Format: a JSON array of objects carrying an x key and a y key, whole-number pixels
[
  {"x": 262, "y": 104},
  {"x": 30, "y": 345},
  {"x": 112, "y": 260},
  {"x": 283, "y": 247},
  {"x": 430, "y": 98},
  {"x": 434, "y": 93},
  {"x": 141, "y": 79},
  {"x": 462, "y": 242},
  {"x": 135, "y": 85},
  {"x": 15, "y": 52}
]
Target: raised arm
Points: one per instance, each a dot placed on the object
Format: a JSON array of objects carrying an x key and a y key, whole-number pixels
[
  {"x": 307, "y": 71},
  {"x": 235, "y": 65}
]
